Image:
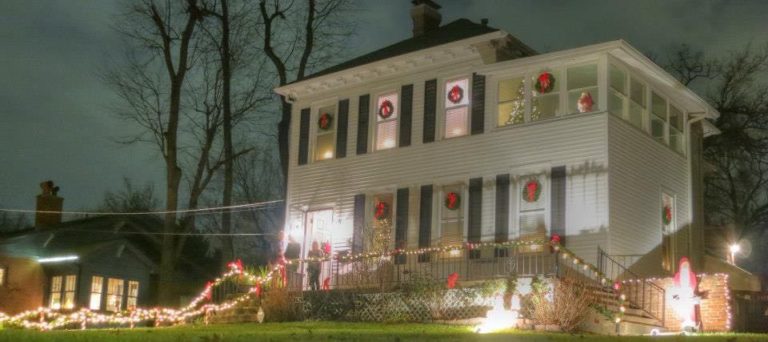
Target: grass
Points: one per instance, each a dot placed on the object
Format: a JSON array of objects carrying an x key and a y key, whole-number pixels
[{"x": 329, "y": 331}]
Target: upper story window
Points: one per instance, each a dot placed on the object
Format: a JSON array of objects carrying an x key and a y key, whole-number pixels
[
  {"x": 456, "y": 108},
  {"x": 325, "y": 144},
  {"x": 582, "y": 88},
  {"x": 386, "y": 121},
  {"x": 658, "y": 117},
  {"x": 676, "y": 122},
  {"x": 511, "y": 101}
]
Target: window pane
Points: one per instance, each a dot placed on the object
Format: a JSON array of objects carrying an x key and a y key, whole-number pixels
[
  {"x": 659, "y": 106},
  {"x": 657, "y": 128},
  {"x": 133, "y": 294},
  {"x": 511, "y": 113},
  {"x": 511, "y": 102},
  {"x": 97, "y": 285},
  {"x": 456, "y": 93},
  {"x": 456, "y": 122},
  {"x": 70, "y": 283},
  {"x": 325, "y": 147},
  {"x": 56, "y": 284},
  {"x": 545, "y": 106},
  {"x": 382, "y": 111},
  {"x": 616, "y": 103},
  {"x": 532, "y": 223},
  {"x": 55, "y": 300},
  {"x": 582, "y": 101},
  {"x": 675, "y": 117},
  {"x": 618, "y": 79},
  {"x": 2, "y": 276},
  {"x": 386, "y": 135},
  {"x": 636, "y": 115},
  {"x": 114, "y": 294},
  {"x": 637, "y": 92},
  {"x": 676, "y": 140},
  {"x": 511, "y": 89},
  {"x": 582, "y": 77},
  {"x": 452, "y": 233}
]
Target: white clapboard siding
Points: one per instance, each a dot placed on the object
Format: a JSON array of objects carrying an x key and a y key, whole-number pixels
[{"x": 641, "y": 169}]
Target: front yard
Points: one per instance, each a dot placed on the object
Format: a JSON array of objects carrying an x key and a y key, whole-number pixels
[{"x": 328, "y": 331}]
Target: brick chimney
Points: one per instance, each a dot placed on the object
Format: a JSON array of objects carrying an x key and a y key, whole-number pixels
[
  {"x": 425, "y": 15},
  {"x": 48, "y": 201}
]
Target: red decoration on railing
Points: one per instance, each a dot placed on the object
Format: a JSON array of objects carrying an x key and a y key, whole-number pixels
[
  {"x": 237, "y": 265},
  {"x": 452, "y": 279},
  {"x": 456, "y": 94},
  {"x": 327, "y": 284},
  {"x": 257, "y": 290},
  {"x": 327, "y": 247},
  {"x": 208, "y": 290},
  {"x": 386, "y": 109}
]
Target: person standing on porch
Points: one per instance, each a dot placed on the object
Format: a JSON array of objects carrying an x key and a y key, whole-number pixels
[{"x": 313, "y": 267}]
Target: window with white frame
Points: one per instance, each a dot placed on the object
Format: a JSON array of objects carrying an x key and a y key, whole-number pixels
[
  {"x": 638, "y": 104},
  {"x": 97, "y": 288},
  {"x": 114, "y": 294},
  {"x": 62, "y": 292},
  {"x": 452, "y": 215},
  {"x": 133, "y": 295},
  {"x": 532, "y": 205},
  {"x": 456, "y": 121},
  {"x": 511, "y": 99},
  {"x": 381, "y": 225},
  {"x": 545, "y": 101},
  {"x": 676, "y": 127},
  {"x": 325, "y": 142},
  {"x": 582, "y": 88},
  {"x": 618, "y": 96},
  {"x": 658, "y": 117},
  {"x": 70, "y": 283},
  {"x": 3, "y": 275},
  {"x": 386, "y": 121}
]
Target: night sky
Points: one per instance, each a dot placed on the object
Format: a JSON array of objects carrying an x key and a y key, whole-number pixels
[{"x": 55, "y": 116}]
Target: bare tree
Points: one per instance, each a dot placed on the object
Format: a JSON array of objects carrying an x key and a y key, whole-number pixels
[
  {"x": 130, "y": 199},
  {"x": 10, "y": 222}
]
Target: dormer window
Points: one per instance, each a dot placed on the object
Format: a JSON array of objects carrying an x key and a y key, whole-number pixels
[
  {"x": 325, "y": 143},
  {"x": 386, "y": 121},
  {"x": 456, "y": 108}
]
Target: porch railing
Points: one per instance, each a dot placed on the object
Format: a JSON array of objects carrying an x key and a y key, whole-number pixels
[{"x": 641, "y": 293}]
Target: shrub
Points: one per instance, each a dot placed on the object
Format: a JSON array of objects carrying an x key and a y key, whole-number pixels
[{"x": 566, "y": 305}]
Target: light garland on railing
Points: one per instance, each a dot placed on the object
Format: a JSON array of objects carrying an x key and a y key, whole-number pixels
[{"x": 48, "y": 319}]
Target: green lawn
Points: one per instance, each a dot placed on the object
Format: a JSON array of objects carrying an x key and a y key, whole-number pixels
[{"x": 326, "y": 331}]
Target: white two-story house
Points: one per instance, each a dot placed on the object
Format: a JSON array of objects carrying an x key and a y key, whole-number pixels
[{"x": 463, "y": 134}]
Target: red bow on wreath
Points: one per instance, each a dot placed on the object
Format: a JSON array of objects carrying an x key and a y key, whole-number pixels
[
  {"x": 386, "y": 109},
  {"x": 381, "y": 211},
  {"x": 325, "y": 121},
  {"x": 667, "y": 214},
  {"x": 456, "y": 94},
  {"x": 452, "y": 200},
  {"x": 545, "y": 83},
  {"x": 532, "y": 190}
]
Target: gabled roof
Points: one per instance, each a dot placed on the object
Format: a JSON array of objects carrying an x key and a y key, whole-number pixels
[{"x": 453, "y": 31}]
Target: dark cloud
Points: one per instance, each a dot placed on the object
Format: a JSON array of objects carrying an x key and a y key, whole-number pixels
[{"x": 54, "y": 117}]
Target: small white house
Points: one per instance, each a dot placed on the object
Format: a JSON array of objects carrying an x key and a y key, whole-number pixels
[{"x": 464, "y": 134}]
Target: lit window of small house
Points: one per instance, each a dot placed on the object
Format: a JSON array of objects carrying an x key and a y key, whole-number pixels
[
  {"x": 54, "y": 300},
  {"x": 382, "y": 232},
  {"x": 582, "y": 88},
  {"x": 97, "y": 287},
  {"x": 3, "y": 274},
  {"x": 325, "y": 143},
  {"x": 456, "y": 108},
  {"x": 617, "y": 91},
  {"x": 133, "y": 295},
  {"x": 667, "y": 230},
  {"x": 658, "y": 117},
  {"x": 70, "y": 282},
  {"x": 452, "y": 215},
  {"x": 676, "y": 125},
  {"x": 532, "y": 207},
  {"x": 637, "y": 103},
  {"x": 545, "y": 101},
  {"x": 386, "y": 121},
  {"x": 511, "y": 102},
  {"x": 114, "y": 294}
]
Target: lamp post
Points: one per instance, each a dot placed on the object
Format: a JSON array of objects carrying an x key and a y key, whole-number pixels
[{"x": 734, "y": 248}]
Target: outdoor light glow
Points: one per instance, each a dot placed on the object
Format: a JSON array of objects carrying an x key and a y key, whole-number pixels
[
  {"x": 388, "y": 143},
  {"x": 497, "y": 318},
  {"x": 58, "y": 259},
  {"x": 328, "y": 154},
  {"x": 458, "y": 131},
  {"x": 734, "y": 248}
]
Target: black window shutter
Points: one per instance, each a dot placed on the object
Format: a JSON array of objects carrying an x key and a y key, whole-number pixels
[
  {"x": 341, "y": 129},
  {"x": 359, "y": 224},
  {"x": 304, "y": 137},
  {"x": 502, "y": 208},
  {"x": 475, "y": 209},
  {"x": 363, "y": 114},
  {"x": 406, "y": 114},
  {"x": 401, "y": 223},
  {"x": 430, "y": 110},
  {"x": 557, "y": 183},
  {"x": 478, "y": 103},
  {"x": 425, "y": 216}
]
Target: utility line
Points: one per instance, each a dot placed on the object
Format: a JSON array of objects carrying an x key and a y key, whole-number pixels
[
  {"x": 242, "y": 207},
  {"x": 174, "y": 234}
]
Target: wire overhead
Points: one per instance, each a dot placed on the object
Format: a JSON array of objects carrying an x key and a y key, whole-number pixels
[{"x": 211, "y": 210}]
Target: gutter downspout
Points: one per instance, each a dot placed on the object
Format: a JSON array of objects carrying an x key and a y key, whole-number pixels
[{"x": 696, "y": 117}]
